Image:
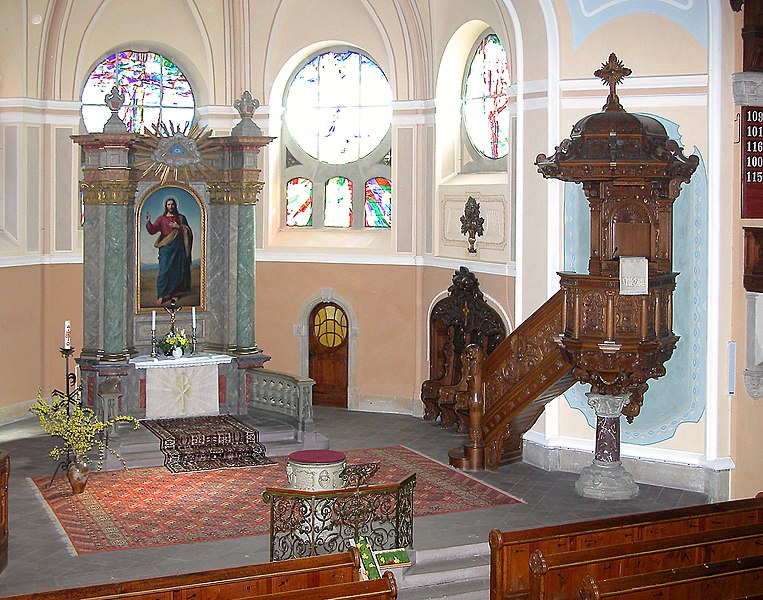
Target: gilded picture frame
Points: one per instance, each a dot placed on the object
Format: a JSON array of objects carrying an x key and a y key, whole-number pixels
[{"x": 170, "y": 249}]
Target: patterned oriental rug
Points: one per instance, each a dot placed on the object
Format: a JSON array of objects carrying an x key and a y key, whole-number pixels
[
  {"x": 203, "y": 443},
  {"x": 121, "y": 510}
]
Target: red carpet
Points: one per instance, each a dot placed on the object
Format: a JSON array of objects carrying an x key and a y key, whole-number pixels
[{"x": 139, "y": 508}]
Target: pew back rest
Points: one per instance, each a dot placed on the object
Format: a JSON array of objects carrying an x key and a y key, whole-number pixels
[
  {"x": 552, "y": 575},
  {"x": 723, "y": 580},
  {"x": 226, "y": 583},
  {"x": 510, "y": 551},
  {"x": 384, "y": 588}
]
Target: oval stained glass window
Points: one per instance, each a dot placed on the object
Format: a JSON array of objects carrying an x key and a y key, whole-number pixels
[
  {"x": 486, "y": 99},
  {"x": 330, "y": 326},
  {"x": 338, "y": 107},
  {"x": 155, "y": 90}
]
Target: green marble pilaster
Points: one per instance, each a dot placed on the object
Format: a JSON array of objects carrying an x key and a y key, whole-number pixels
[
  {"x": 245, "y": 280},
  {"x": 115, "y": 266}
]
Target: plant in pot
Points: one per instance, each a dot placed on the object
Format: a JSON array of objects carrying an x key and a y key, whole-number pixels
[
  {"x": 174, "y": 343},
  {"x": 80, "y": 430}
]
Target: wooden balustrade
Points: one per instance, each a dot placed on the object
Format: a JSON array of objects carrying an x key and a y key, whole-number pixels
[{"x": 517, "y": 380}]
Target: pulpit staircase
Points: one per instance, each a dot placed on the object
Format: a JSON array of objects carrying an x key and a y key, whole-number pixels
[{"x": 513, "y": 385}]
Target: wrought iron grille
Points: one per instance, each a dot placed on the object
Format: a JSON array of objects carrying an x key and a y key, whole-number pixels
[{"x": 306, "y": 523}]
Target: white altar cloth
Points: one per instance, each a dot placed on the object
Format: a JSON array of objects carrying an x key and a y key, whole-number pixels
[{"x": 181, "y": 387}]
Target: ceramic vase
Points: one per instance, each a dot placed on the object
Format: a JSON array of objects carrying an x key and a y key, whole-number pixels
[
  {"x": 177, "y": 352},
  {"x": 78, "y": 473}
]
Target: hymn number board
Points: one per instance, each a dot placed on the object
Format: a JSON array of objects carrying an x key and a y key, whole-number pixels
[{"x": 752, "y": 162}]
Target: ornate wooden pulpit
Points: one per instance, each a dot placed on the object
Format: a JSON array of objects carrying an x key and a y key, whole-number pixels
[{"x": 631, "y": 174}]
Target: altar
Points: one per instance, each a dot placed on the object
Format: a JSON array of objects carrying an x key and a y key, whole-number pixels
[{"x": 180, "y": 387}]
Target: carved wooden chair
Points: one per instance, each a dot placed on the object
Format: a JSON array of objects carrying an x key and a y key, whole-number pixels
[
  {"x": 446, "y": 400},
  {"x": 430, "y": 389}
]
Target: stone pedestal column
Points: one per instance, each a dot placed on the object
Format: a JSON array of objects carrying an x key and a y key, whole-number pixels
[{"x": 606, "y": 478}]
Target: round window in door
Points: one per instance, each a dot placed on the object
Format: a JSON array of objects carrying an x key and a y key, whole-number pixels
[{"x": 329, "y": 354}]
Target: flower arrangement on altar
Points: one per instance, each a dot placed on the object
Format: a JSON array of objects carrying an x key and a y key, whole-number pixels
[
  {"x": 78, "y": 427},
  {"x": 173, "y": 340}
]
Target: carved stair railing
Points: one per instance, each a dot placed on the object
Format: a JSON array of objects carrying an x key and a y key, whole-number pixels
[{"x": 509, "y": 389}]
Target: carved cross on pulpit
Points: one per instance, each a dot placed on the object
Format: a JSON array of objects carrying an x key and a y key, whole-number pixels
[{"x": 612, "y": 73}]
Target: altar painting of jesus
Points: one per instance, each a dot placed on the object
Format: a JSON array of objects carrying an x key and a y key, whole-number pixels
[{"x": 170, "y": 242}]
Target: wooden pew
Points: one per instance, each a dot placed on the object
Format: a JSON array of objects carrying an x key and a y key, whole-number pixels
[
  {"x": 553, "y": 576},
  {"x": 722, "y": 580},
  {"x": 510, "y": 551},
  {"x": 5, "y": 469},
  {"x": 236, "y": 582},
  {"x": 374, "y": 589}
]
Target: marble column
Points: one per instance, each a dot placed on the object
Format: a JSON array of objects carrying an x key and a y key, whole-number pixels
[
  {"x": 245, "y": 281},
  {"x": 606, "y": 478}
]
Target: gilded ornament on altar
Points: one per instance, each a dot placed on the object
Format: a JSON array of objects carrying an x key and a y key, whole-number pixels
[{"x": 174, "y": 153}]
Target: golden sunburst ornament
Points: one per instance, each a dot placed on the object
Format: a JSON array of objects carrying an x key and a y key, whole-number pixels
[{"x": 174, "y": 154}]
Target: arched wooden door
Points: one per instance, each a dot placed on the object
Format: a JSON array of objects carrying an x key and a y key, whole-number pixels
[{"x": 329, "y": 332}]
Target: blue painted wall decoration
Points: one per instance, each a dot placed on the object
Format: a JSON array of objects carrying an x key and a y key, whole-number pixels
[
  {"x": 678, "y": 396},
  {"x": 589, "y": 15}
]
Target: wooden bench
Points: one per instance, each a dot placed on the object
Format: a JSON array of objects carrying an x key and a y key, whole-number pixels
[
  {"x": 5, "y": 469},
  {"x": 554, "y": 575},
  {"x": 374, "y": 589},
  {"x": 236, "y": 582},
  {"x": 722, "y": 580},
  {"x": 510, "y": 551}
]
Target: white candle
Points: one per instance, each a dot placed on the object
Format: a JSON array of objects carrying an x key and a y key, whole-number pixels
[
  {"x": 67, "y": 334},
  {"x": 153, "y": 320},
  {"x": 193, "y": 316}
]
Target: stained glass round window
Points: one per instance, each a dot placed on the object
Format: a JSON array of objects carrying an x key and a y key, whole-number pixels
[
  {"x": 338, "y": 107},
  {"x": 155, "y": 91},
  {"x": 486, "y": 99}
]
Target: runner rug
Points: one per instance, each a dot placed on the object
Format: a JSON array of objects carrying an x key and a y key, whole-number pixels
[
  {"x": 122, "y": 510},
  {"x": 211, "y": 442}
]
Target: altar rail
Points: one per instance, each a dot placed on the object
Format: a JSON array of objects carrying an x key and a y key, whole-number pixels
[
  {"x": 282, "y": 393},
  {"x": 306, "y": 523}
]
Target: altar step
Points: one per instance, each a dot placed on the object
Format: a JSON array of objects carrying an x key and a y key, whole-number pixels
[
  {"x": 456, "y": 573},
  {"x": 140, "y": 448}
]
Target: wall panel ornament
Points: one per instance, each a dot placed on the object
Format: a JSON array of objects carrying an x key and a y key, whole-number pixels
[{"x": 494, "y": 210}]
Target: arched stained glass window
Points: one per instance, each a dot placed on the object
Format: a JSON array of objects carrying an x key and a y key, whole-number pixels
[
  {"x": 486, "y": 99},
  {"x": 338, "y": 107},
  {"x": 155, "y": 89},
  {"x": 338, "y": 212},
  {"x": 299, "y": 202},
  {"x": 378, "y": 212}
]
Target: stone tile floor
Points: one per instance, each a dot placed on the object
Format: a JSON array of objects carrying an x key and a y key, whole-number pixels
[{"x": 38, "y": 559}]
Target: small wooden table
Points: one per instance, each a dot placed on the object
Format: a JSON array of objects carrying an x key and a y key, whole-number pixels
[{"x": 315, "y": 470}]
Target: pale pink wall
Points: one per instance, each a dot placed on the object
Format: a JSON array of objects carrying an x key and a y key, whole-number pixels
[{"x": 36, "y": 300}]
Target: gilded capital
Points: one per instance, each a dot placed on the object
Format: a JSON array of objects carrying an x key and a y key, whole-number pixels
[
  {"x": 234, "y": 192},
  {"x": 107, "y": 192}
]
